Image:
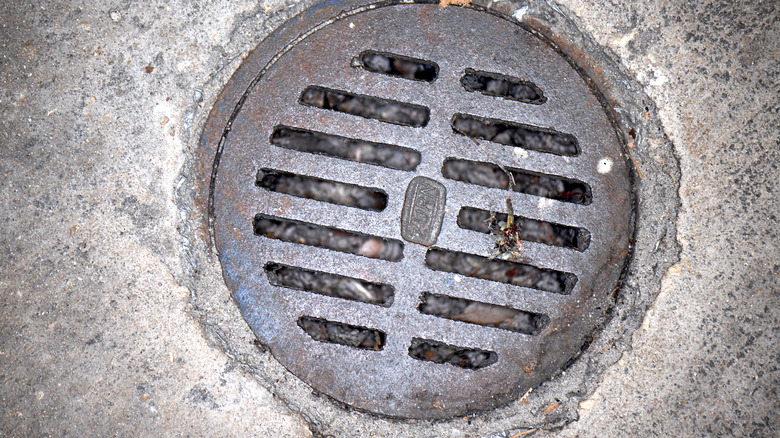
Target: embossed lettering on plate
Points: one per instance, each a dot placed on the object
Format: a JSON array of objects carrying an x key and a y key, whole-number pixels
[{"x": 423, "y": 211}]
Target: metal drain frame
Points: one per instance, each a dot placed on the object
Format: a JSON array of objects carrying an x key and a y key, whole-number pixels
[{"x": 556, "y": 27}]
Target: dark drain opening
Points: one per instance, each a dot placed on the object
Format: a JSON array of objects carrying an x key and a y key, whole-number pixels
[
  {"x": 369, "y": 107},
  {"x": 332, "y": 285},
  {"x": 334, "y": 192},
  {"x": 530, "y": 230},
  {"x": 518, "y": 274},
  {"x": 498, "y": 85},
  {"x": 484, "y": 314},
  {"x": 397, "y": 65},
  {"x": 361, "y": 151},
  {"x": 523, "y": 181},
  {"x": 288, "y": 230},
  {"x": 515, "y": 134},
  {"x": 437, "y": 352},
  {"x": 344, "y": 334}
]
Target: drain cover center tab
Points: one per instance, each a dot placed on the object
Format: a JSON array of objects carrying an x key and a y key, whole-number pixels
[
  {"x": 342, "y": 137},
  {"x": 423, "y": 211}
]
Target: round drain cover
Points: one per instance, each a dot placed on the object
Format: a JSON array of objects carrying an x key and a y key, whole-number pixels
[{"x": 422, "y": 211}]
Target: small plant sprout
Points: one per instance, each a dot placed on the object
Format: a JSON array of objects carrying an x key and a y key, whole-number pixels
[{"x": 508, "y": 245}]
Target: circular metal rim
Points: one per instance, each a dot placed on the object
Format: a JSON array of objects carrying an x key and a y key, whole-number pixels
[{"x": 274, "y": 40}]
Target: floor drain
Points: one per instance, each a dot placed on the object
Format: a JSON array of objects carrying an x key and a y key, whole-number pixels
[{"x": 361, "y": 185}]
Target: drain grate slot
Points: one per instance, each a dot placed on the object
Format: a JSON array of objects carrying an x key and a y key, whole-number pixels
[
  {"x": 354, "y": 336},
  {"x": 397, "y": 65},
  {"x": 498, "y": 85},
  {"x": 369, "y": 107},
  {"x": 332, "y": 285},
  {"x": 361, "y": 151},
  {"x": 530, "y": 230},
  {"x": 437, "y": 352},
  {"x": 335, "y": 239},
  {"x": 518, "y": 274},
  {"x": 515, "y": 134},
  {"x": 484, "y": 314},
  {"x": 334, "y": 192},
  {"x": 524, "y": 181}
]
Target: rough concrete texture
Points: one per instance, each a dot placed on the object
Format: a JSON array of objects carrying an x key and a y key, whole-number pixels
[{"x": 99, "y": 113}]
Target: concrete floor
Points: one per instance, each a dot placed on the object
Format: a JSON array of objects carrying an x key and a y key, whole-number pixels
[{"x": 99, "y": 113}]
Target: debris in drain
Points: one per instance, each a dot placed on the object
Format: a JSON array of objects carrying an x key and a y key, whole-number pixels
[
  {"x": 390, "y": 111},
  {"x": 507, "y": 235},
  {"x": 322, "y": 190},
  {"x": 518, "y": 274},
  {"x": 397, "y": 65},
  {"x": 498, "y": 85},
  {"x": 515, "y": 134},
  {"x": 333, "y": 285},
  {"x": 380, "y": 154},
  {"x": 438, "y": 352},
  {"x": 525, "y": 181},
  {"x": 530, "y": 230},
  {"x": 350, "y": 242},
  {"x": 344, "y": 334},
  {"x": 489, "y": 315}
]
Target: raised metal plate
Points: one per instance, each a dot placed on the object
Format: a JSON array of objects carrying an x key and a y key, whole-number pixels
[
  {"x": 423, "y": 210},
  {"x": 319, "y": 48}
]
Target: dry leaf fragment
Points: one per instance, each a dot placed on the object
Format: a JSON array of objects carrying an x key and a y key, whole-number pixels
[
  {"x": 445, "y": 3},
  {"x": 486, "y": 314},
  {"x": 587, "y": 404}
]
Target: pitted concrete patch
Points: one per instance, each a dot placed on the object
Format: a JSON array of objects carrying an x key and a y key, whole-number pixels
[{"x": 95, "y": 335}]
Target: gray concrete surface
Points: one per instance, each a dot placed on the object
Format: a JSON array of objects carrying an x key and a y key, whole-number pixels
[{"x": 99, "y": 113}]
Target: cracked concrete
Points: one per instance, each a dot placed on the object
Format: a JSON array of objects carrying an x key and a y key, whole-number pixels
[{"x": 101, "y": 106}]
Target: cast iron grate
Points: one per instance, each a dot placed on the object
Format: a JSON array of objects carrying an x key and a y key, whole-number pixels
[{"x": 415, "y": 226}]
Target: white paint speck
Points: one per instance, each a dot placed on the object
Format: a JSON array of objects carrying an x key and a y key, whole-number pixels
[
  {"x": 520, "y": 13},
  {"x": 351, "y": 25},
  {"x": 625, "y": 39},
  {"x": 521, "y": 153},
  {"x": 604, "y": 166},
  {"x": 659, "y": 79},
  {"x": 545, "y": 203}
]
